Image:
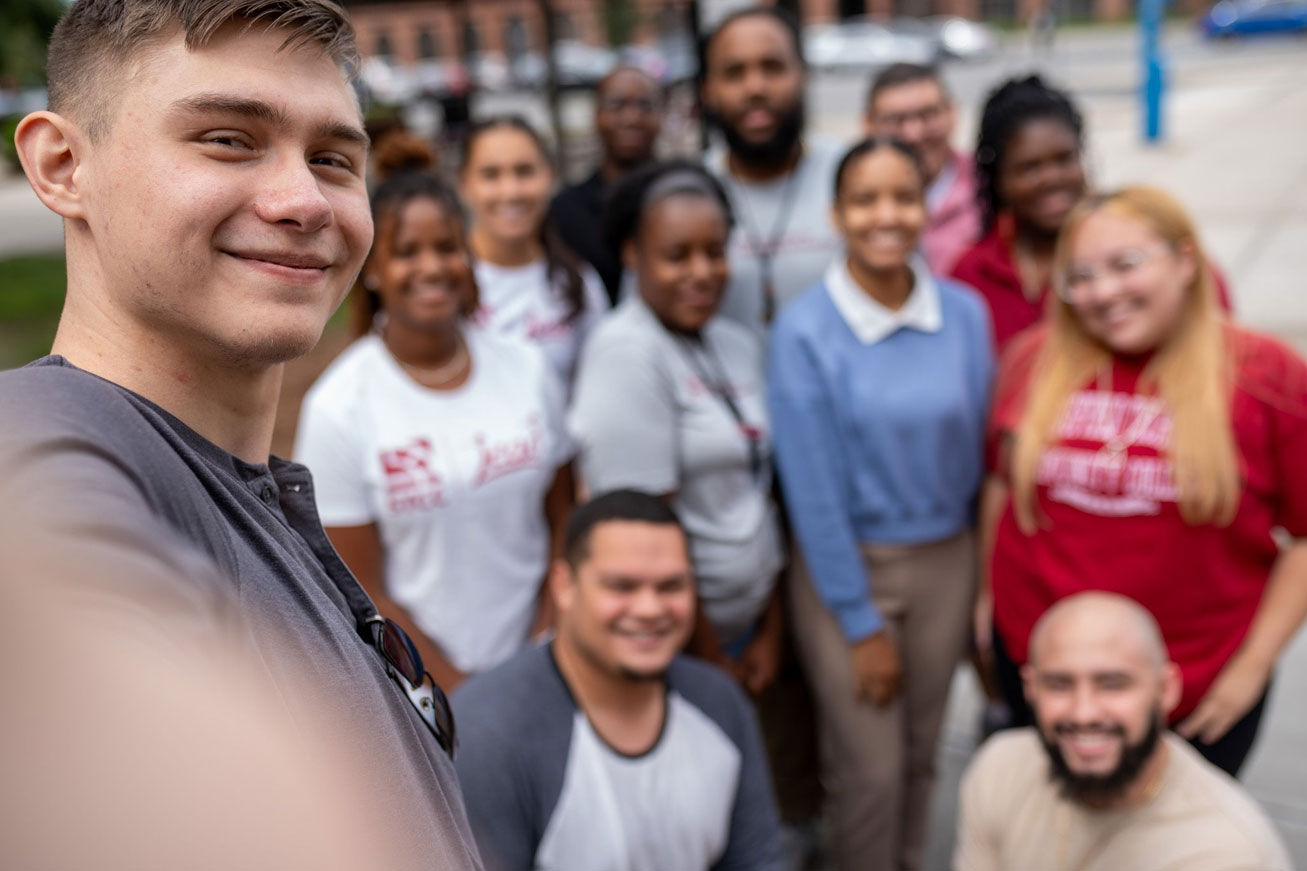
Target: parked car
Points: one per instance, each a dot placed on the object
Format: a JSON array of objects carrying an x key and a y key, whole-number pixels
[
  {"x": 954, "y": 37},
  {"x": 577, "y": 64},
  {"x": 670, "y": 60},
  {"x": 1248, "y": 17},
  {"x": 859, "y": 44}
]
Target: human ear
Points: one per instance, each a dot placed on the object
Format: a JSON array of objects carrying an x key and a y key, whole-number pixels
[
  {"x": 562, "y": 586},
  {"x": 50, "y": 148},
  {"x": 1028, "y": 684},
  {"x": 1172, "y": 686},
  {"x": 628, "y": 254}
]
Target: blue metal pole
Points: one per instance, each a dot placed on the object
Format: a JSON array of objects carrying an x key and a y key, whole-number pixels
[{"x": 1153, "y": 89}]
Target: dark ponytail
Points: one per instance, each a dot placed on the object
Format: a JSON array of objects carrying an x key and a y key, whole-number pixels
[{"x": 562, "y": 266}]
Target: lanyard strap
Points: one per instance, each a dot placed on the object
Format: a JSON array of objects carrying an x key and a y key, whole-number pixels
[
  {"x": 719, "y": 386},
  {"x": 765, "y": 249}
]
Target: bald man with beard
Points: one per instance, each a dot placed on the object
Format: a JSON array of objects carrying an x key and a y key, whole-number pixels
[{"x": 1099, "y": 784}]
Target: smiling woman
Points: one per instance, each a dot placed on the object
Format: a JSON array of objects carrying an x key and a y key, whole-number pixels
[
  {"x": 437, "y": 447},
  {"x": 878, "y": 382},
  {"x": 1139, "y": 416},
  {"x": 532, "y": 286}
]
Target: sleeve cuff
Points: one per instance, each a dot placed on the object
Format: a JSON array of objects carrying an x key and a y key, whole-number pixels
[{"x": 859, "y": 622}]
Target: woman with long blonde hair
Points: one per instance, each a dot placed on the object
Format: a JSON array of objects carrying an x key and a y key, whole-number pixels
[{"x": 1141, "y": 444}]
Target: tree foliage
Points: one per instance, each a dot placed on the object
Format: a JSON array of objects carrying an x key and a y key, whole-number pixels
[{"x": 25, "y": 28}]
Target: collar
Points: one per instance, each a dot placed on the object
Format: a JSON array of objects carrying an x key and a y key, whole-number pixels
[
  {"x": 869, "y": 320},
  {"x": 938, "y": 190}
]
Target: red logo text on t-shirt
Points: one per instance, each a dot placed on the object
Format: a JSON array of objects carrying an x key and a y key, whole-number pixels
[
  {"x": 498, "y": 458},
  {"x": 1104, "y": 477},
  {"x": 412, "y": 483}
]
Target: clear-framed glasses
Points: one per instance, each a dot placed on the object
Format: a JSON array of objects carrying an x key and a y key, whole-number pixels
[
  {"x": 404, "y": 665},
  {"x": 643, "y": 105},
  {"x": 927, "y": 116},
  {"x": 1081, "y": 277}
]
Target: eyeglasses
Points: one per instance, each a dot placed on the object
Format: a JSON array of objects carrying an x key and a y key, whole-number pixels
[
  {"x": 927, "y": 117},
  {"x": 404, "y": 665},
  {"x": 1080, "y": 278},
  {"x": 620, "y": 104}
]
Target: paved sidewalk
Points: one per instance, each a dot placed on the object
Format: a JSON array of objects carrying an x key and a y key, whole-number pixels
[{"x": 1236, "y": 155}]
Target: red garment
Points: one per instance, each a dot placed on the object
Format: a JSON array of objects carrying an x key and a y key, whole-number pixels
[
  {"x": 1116, "y": 527},
  {"x": 990, "y": 268}
]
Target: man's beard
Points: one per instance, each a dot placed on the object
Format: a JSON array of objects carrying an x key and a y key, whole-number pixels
[
  {"x": 771, "y": 153},
  {"x": 1103, "y": 789}
]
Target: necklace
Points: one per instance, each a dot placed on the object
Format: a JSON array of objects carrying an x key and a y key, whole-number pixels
[
  {"x": 1144, "y": 418},
  {"x": 439, "y": 376},
  {"x": 766, "y": 248}
]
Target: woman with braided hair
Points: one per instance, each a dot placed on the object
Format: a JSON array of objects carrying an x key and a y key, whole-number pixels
[{"x": 1029, "y": 175}]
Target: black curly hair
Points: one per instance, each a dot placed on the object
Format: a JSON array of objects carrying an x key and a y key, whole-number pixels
[
  {"x": 1010, "y": 107},
  {"x": 388, "y": 200},
  {"x": 624, "y": 205}
]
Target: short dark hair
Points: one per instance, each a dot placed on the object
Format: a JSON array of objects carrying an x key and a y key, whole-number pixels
[
  {"x": 615, "y": 505},
  {"x": 96, "y": 39},
  {"x": 625, "y": 204},
  {"x": 870, "y": 146},
  {"x": 901, "y": 74},
  {"x": 775, "y": 13},
  {"x": 1009, "y": 108}
]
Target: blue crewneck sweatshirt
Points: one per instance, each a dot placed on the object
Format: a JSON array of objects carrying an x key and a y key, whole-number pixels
[{"x": 877, "y": 443}]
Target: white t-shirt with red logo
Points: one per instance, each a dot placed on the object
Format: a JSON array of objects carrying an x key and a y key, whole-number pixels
[
  {"x": 454, "y": 480},
  {"x": 1108, "y": 512},
  {"x": 519, "y": 301}
]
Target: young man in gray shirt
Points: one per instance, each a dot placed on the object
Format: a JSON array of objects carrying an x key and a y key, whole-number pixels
[
  {"x": 207, "y": 159},
  {"x": 605, "y": 749},
  {"x": 780, "y": 182}
]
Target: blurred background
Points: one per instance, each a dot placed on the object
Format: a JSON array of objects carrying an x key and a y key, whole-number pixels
[{"x": 1232, "y": 145}]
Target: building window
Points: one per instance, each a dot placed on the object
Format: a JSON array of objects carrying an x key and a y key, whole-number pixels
[
  {"x": 382, "y": 47},
  {"x": 428, "y": 48},
  {"x": 564, "y": 28},
  {"x": 471, "y": 42},
  {"x": 515, "y": 37}
]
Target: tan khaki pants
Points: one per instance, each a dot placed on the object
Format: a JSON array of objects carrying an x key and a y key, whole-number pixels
[{"x": 878, "y": 764}]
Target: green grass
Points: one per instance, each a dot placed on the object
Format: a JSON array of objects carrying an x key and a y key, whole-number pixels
[{"x": 31, "y": 297}]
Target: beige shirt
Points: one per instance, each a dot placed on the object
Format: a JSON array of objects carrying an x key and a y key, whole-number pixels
[{"x": 1013, "y": 818}]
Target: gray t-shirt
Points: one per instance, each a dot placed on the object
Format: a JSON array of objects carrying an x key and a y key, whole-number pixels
[
  {"x": 95, "y": 460},
  {"x": 793, "y": 212},
  {"x": 648, "y": 413},
  {"x": 544, "y": 791}
]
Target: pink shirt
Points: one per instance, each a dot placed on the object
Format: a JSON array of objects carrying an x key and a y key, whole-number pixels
[{"x": 953, "y": 220}]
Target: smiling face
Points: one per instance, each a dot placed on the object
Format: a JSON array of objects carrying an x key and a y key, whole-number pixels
[
  {"x": 628, "y": 116},
  {"x": 421, "y": 268},
  {"x": 753, "y": 89},
  {"x": 1100, "y": 690},
  {"x": 1041, "y": 177},
  {"x": 1127, "y": 286},
  {"x": 679, "y": 258},
  {"x": 918, "y": 113},
  {"x": 506, "y": 183},
  {"x": 225, "y": 210},
  {"x": 628, "y": 607},
  {"x": 880, "y": 209}
]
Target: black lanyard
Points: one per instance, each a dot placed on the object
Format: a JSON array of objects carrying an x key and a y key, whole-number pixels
[
  {"x": 719, "y": 386},
  {"x": 765, "y": 249}
]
